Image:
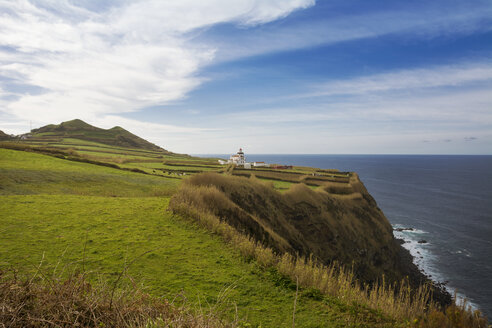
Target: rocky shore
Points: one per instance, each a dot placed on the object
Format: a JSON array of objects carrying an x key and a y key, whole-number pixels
[{"x": 417, "y": 276}]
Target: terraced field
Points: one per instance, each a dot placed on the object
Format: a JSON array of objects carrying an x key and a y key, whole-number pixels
[
  {"x": 159, "y": 163},
  {"x": 61, "y": 215}
]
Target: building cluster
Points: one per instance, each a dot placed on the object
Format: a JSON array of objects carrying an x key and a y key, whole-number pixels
[{"x": 240, "y": 160}]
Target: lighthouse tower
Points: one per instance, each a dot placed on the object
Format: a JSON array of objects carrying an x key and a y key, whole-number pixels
[
  {"x": 238, "y": 158},
  {"x": 241, "y": 158}
]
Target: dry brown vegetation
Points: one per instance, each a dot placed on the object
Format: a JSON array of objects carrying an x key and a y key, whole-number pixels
[
  {"x": 334, "y": 280},
  {"x": 207, "y": 199},
  {"x": 454, "y": 316},
  {"x": 301, "y": 221},
  {"x": 338, "y": 188},
  {"x": 75, "y": 302},
  {"x": 290, "y": 176}
]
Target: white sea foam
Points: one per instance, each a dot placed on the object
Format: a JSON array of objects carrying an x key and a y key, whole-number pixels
[
  {"x": 461, "y": 299},
  {"x": 426, "y": 261},
  {"x": 421, "y": 252}
]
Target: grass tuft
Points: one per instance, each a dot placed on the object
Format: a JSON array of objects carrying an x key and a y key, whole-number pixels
[{"x": 74, "y": 302}]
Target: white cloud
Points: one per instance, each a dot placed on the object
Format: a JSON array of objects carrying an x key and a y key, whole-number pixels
[
  {"x": 266, "y": 11},
  {"x": 444, "y": 76},
  {"x": 388, "y": 122},
  {"x": 113, "y": 61},
  {"x": 160, "y": 134},
  {"x": 186, "y": 15},
  {"x": 435, "y": 107},
  {"x": 426, "y": 23}
]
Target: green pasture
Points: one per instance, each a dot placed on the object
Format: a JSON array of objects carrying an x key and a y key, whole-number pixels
[
  {"x": 68, "y": 215},
  {"x": 31, "y": 173}
]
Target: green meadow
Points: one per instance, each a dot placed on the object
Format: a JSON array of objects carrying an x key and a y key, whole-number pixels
[
  {"x": 63, "y": 215},
  {"x": 25, "y": 173},
  {"x": 78, "y": 199}
]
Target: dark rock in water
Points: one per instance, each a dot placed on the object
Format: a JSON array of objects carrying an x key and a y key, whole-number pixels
[
  {"x": 422, "y": 241},
  {"x": 403, "y": 229}
]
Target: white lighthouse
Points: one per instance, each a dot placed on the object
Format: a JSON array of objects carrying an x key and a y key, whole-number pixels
[{"x": 238, "y": 158}]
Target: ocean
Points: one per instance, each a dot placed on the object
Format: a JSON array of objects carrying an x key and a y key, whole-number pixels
[{"x": 445, "y": 199}]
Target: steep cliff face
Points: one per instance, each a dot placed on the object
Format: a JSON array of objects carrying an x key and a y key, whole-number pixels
[{"x": 333, "y": 223}]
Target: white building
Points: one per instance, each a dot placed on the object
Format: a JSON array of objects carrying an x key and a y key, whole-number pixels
[
  {"x": 259, "y": 164},
  {"x": 240, "y": 160},
  {"x": 237, "y": 159}
]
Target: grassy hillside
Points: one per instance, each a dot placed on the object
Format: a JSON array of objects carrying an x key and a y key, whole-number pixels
[
  {"x": 78, "y": 129},
  {"x": 102, "y": 233},
  {"x": 71, "y": 204},
  {"x": 347, "y": 227},
  {"x": 27, "y": 173},
  {"x": 4, "y": 136},
  {"x": 260, "y": 224},
  {"x": 130, "y": 159}
]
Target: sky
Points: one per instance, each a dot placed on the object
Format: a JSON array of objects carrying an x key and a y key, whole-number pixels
[{"x": 271, "y": 76}]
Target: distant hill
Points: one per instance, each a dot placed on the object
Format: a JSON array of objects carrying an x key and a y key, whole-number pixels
[
  {"x": 4, "y": 136},
  {"x": 78, "y": 129}
]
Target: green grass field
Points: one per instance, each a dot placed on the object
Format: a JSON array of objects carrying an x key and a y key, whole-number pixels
[
  {"x": 182, "y": 258},
  {"x": 95, "y": 144},
  {"x": 29, "y": 173},
  {"x": 79, "y": 215},
  {"x": 76, "y": 198},
  {"x": 154, "y": 162}
]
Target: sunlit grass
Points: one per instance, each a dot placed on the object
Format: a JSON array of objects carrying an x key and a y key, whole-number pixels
[
  {"x": 103, "y": 234},
  {"x": 30, "y": 173},
  {"x": 99, "y": 218}
]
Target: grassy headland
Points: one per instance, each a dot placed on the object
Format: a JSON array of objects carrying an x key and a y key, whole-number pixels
[
  {"x": 74, "y": 202},
  {"x": 101, "y": 233}
]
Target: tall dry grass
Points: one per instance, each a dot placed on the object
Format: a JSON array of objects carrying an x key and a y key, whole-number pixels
[
  {"x": 454, "y": 316},
  {"x": 411, "y": 306},
  {"x": 75, "y": 302},
  {"x": 334, "y": 280}
]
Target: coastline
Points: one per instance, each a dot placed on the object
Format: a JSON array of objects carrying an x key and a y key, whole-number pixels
[
  {"x": 422, "y": 256},
  {"x": 437, "y": 194}
]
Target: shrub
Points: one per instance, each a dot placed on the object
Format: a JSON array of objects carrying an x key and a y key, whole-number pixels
[
  {"x": 75, "y": 302},
  {"x": 338, "y": 188}
]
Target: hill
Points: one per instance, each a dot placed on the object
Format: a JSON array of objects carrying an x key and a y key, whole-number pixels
[
  {"x": 78, "y": 129},
  {"x": 4, "y": 136}
]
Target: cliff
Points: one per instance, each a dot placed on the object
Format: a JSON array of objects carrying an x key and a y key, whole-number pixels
[{"x": 331, "y": 223}]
